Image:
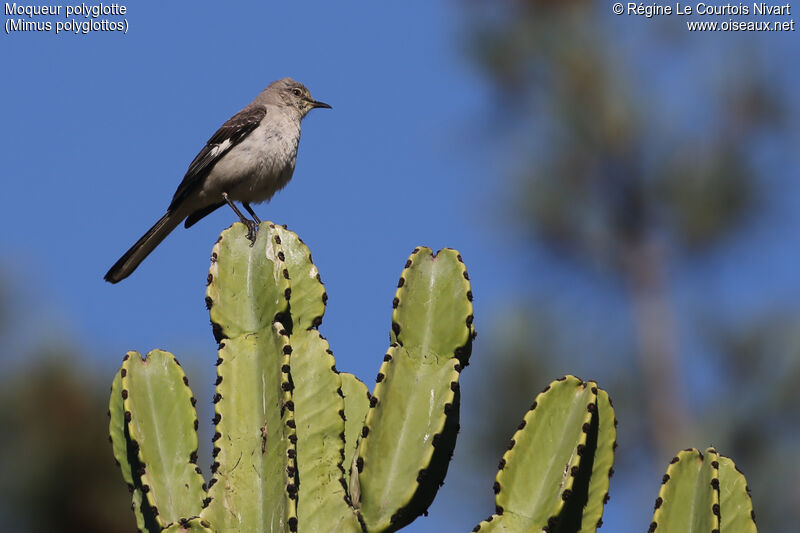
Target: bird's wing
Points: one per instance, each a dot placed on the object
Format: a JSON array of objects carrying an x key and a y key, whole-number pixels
[{"x": 227, "y": 136}]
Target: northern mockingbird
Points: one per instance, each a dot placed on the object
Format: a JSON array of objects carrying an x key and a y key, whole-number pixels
[{"x": 248, "y": 159}]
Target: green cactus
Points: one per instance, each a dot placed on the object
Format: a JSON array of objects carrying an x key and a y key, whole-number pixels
[
  {"x": 284, "y": 413},
  {"x": 555, "y": 474},
  {"x": 703, "y": 492},
  {"x": 299, "y": 446},
  {"x": 410, "y": 429}
]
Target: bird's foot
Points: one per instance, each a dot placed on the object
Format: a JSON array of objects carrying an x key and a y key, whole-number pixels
[
  {"x": 252, "y": 227},
  {"x": 252, "y": 231}
]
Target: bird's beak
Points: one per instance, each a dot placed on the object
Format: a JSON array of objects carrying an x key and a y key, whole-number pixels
[{"x": 315, "y": 104}]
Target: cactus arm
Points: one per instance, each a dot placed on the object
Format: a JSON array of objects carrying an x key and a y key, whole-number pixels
[
  {"x": 253, "y": 485},
  {"x": 356, "y": 404},
  {"x": 410, "y": 429},
  {"x": 126, "y": 459},
  {"x": 540, "y": 464},
  {"x": 688, "y": 500},
  {"x": 537, "y": 474},
  {"x": 736, "y": 508},
  {"x": 159, "y": 403},
  {"x": 318, "y": 403},
  {"x": 194, "y": 525}
]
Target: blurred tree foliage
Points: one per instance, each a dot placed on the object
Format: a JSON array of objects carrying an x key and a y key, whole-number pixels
[
  {"x": 628, "y": 161},
  {"x": 58, "y": 473},
  {"x": 755, "y": 419}
]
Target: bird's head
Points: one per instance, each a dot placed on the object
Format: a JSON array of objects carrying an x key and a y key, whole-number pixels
[{"x": 296, "y": 95}]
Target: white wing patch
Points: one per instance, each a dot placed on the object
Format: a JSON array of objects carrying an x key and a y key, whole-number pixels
[{"x": 221, "y": 147}]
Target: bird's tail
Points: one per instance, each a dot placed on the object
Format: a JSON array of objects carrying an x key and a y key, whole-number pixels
[{"x": 139, "y": 251}]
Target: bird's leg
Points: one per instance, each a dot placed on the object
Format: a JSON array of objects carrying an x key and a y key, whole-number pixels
[
  {"x": 252, "y": 213},
  {"x": 252, "y": 228}
]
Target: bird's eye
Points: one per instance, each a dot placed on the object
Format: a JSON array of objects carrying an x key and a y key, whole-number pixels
[{"x": 297, "y": 92}]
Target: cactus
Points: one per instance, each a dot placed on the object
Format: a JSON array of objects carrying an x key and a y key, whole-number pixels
[
  {"x": 555, "y": 474},
  {"x": 703, "y": 492},
  {"x": 284, "y": 413},
  {"x": 572, "y": 423},
  {"x": 300, "y": 447},
  {"x": 417, "y": 392}
]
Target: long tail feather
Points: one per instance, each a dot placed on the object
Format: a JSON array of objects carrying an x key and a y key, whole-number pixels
[{"x": 139, "y": 251}]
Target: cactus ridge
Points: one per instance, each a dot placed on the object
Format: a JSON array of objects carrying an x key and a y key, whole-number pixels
[
  {"x": 126, "y": 457},
  {"x": 357, "y": 400},
  {"x": 308, "y": 296},
  {"x": 319, "y": 407},
  {"x": 401, "y": 463},
  {"x": 319, "y": 412},
  {"x": 736, "y": 507},
  {"x": 118, "y": 432},
  {"x": 599, "y": 466},
  {"x": 145, "y": 518}
]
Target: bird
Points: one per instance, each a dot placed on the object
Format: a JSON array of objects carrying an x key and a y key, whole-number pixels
[{"x": 249, "y": 158}]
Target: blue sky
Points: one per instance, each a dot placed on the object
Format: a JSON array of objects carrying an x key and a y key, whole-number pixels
[
  {"x": 100, "y": 128},
  {"x": 104, "y": 126}
]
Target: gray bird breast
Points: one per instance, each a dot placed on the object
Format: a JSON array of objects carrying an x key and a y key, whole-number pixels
[{"x": 262, "y": 163}]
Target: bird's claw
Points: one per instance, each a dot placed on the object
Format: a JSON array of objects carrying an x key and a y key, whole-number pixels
[{"x": 252, "y": 231}]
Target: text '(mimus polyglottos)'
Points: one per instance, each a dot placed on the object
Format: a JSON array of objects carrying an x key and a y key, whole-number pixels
[{"x": 248, "y": 159}]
